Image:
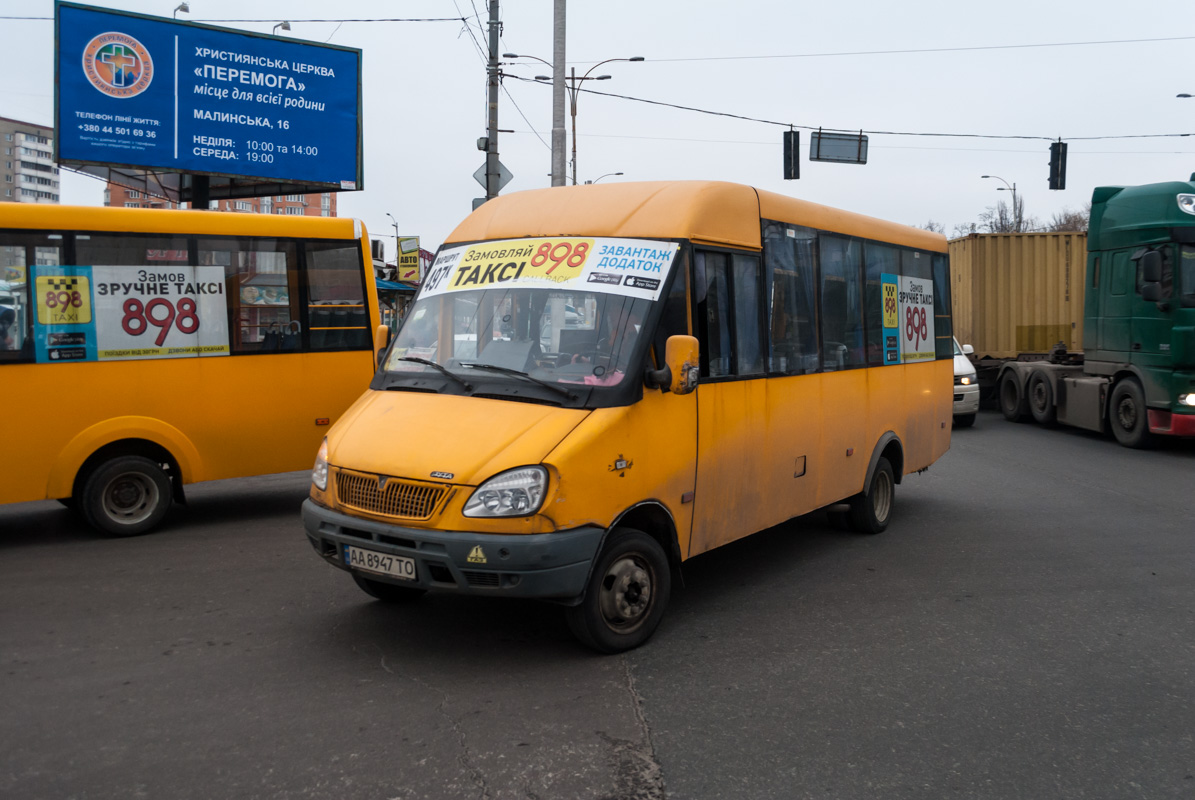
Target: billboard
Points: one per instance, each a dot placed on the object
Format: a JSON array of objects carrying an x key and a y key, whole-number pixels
[
  {"x": 410, "y": 268},
  {"x": 157, "y": 94}
]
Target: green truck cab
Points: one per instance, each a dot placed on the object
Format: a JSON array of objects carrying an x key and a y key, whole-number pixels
[{"x": 1136, "y": 375}]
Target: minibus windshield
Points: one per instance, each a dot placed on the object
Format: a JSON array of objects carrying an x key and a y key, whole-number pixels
[
  {"x": 560, "y": 337},
  {"x": 562, "y": 311}
]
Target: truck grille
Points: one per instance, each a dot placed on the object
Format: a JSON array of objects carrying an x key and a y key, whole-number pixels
[{"x": 398, "y": 498}]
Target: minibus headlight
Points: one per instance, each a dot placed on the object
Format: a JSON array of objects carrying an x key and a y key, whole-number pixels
[
  {"x": 319, "y": 473},
  {"x": 514, "y": 493},
  {"x": 965, "y": 380},
  {"x": 1187, "y": 400}
]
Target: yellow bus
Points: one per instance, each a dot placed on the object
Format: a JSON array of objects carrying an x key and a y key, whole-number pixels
[
  {"x": 142, "y": 350},
  {"x": 608, "y": 380}
]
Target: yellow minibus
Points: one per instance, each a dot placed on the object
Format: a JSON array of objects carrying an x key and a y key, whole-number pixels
[
  {"x": 141, "y": 350},
  {"x": 596, "y": 383}
]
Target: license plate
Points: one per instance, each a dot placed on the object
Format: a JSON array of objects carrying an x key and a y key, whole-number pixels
[{"x": 381, "y": 563}]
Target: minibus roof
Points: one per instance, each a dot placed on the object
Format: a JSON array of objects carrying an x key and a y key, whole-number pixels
[{"x": 712, "y": 212}]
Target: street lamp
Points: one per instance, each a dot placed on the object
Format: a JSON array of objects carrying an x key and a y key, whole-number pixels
[
  {"x": 573, "y": 85},
  {"x": 607, "y": 175},
  {"x": 183, "y": 7},
  {"x": 283, "y": 25},
  {"x": 394, "y": 222},
  {"x": 1016, "y": 210}
]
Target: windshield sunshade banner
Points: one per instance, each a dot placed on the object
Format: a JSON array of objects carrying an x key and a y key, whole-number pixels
[{"x": 628, "y": 267}]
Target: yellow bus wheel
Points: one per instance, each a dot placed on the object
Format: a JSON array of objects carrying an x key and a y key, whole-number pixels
[
  {"x": 126, "y": 496},
  {"x": 626, "y": 594},
  {"x": 871, "y": 510}
]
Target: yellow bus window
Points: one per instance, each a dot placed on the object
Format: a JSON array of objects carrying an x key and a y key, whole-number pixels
[{"x": 262, "y": 280}]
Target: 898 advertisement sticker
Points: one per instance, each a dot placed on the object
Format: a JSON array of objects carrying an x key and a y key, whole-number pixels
[
  {"x": 160, "y": 312},
  {"x": 630, "y": 267},
  {"x": 916, "y": 319}
]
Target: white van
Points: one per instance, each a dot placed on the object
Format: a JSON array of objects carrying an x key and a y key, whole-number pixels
[{"x": 966, "y": 387}]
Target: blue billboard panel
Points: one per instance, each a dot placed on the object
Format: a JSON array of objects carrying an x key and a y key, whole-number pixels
[{"x": 154, "y": 93}]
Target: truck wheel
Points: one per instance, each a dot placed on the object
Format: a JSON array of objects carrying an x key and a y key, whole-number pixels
[
  {"x": 871, "y": 510},
  {"x": 1040, "y": 397},
  {"x": 126, "y": 496},
  {"x": 1127, "y": 415},
  {"x": 388, "y": 592},
  {"x": 964, "y": 420},
  {"x": 626, "y": 594},
  {"x": 1012, "y": 404}
]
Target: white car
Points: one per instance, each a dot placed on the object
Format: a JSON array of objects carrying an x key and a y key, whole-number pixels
[{"x": 966, "y": 387}]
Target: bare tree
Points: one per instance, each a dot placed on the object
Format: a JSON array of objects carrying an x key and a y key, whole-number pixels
[
  {"x": 963, "y": 229},
  {"x": 1070, "y": 220},
  {"x": 935, "y": 227},
  {"x": 1002, "y": 218}
]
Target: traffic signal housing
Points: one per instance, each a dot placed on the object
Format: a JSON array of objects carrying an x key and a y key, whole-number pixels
[
  {"x": 1058, "y": 165},
  {"x": 792, "y": 155}
]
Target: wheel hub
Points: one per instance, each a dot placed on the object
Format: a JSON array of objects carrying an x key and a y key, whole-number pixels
[{"x": 626, "y": 593}]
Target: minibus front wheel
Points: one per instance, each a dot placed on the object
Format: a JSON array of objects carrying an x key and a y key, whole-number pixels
[
  {"x": 626, "y": 594},
  {"x": 126, "y": 496}
]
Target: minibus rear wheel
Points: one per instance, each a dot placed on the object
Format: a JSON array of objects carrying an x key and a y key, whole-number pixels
[
  {"x": 626, "y": 594},
  {"x": 126, "y": 496},
  {"x": 871, "y": 510},
  {"x": 388, "y": 592}
]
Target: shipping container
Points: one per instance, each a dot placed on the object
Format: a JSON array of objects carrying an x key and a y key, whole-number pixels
[{"x": 1018, "y": 292}]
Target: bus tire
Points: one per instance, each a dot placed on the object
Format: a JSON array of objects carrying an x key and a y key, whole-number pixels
[
  {"x": 871, "y": 510},
  {"x": 388, "y": 592},
  {"x": 1039, "y": 396},
  {"x": 626, "y": 594},
  {"x": 126, "y": 496},
  {"x": 1127, "y": 415},
  {"x": 1012, "y": 402}
]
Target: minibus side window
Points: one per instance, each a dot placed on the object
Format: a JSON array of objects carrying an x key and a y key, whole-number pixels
[
  {"x": 713, "y": 312},
  {"x": 674, "y": 317},
  {"x": 877, "y": 260},
  {"x": 337, "y": 312},
  {"x": 790, "y": 260},
  {"x": 261, "y": 280},
  {"x": 842, "y": 303},
  {"x": 19, "y": 251},
  {"x": 943, "y": 323},
  {"x": 748, "y": 321},
  {"x": 131, "y": 250}
]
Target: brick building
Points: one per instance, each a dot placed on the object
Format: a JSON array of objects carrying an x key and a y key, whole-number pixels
[{"x": 305, "y": 205}]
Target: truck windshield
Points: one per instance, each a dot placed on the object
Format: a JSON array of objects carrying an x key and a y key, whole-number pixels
[{"x": 556, "y": 336}]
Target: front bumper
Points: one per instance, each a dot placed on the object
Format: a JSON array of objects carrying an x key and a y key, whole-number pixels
[
  {"x": 544, "y": 565},
  {"x": 966, "y": 399}
]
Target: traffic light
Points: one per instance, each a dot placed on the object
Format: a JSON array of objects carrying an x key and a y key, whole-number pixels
[
  {"x": 1058, "y": 165},
  {"x": 792, "y": 155}
]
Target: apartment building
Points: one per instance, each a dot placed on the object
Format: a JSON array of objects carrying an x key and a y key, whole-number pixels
[{"x": 29, "y": 174}]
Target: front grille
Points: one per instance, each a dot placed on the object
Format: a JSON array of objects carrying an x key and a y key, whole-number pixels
[{"x": 399, "y": 498}]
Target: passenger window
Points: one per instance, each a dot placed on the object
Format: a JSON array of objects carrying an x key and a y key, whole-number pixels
[
  {"x": 790, "y": 258},
  {"x": 943, "y": 322},
  {"x": 18, "y": 252},
  {"x": 748, "y": 322},
  {"x": 877, "y": 260},
  {"x": 713, "y": 312},
  {"x": 337, "y": 312},
  {"x": 842, "y": 303},
  {"x": 131, "y": 250},
  {"x": 261, "y": 281}
]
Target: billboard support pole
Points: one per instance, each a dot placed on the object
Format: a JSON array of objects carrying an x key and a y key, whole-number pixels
[
  {"x": 491, "y": 155},
  {"x": 201, "y": 192}
]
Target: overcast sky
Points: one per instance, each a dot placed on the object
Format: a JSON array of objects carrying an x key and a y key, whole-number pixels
[{"x": 810, "y": 64}]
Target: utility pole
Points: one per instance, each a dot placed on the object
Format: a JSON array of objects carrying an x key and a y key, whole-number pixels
[
  {"x": 558, "y": 94},
  {"x": 491, "y": 155}
]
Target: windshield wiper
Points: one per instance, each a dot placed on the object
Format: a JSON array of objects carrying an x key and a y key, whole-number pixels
[
  {"x": 519, "y": 374},
  {"x": 442, "y": 370}
]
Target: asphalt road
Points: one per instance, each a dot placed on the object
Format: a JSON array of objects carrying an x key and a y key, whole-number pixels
[{"x": 1024, "y": 629}]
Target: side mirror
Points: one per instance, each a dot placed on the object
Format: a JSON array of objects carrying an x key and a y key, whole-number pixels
[
  {"x": 968, "y": 350},
  {"x": 1151, "y": 292},
  {"x": 381, "y": 339},
  {"x": 681, "y": 367},
  {"x": 1151, "y": 267}
]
